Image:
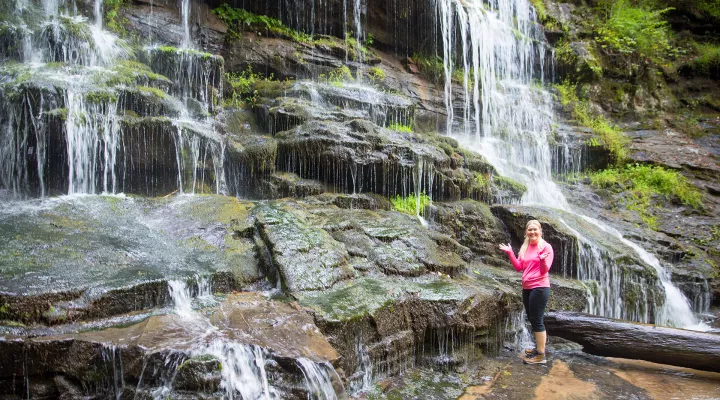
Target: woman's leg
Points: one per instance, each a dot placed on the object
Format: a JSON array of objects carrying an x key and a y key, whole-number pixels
[
  {"x": 526, "y": 304},
  {"x": 537, "y": 300}
]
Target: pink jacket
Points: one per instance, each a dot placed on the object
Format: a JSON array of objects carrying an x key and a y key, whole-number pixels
[{"x": 534, "y": 270}]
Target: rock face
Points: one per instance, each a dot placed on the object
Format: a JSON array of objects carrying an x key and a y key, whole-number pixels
[{"x": 317, "y": 282}]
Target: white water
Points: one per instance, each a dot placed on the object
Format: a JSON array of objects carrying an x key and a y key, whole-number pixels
[
  {"x": 507, "y": 117},
  {"x": 243, "y": 366},
  {"x": 317, "y": 380},
  {"x": 185, "y": 14}
]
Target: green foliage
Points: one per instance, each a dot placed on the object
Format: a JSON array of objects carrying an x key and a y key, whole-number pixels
[
  {"x": 400, "y": 128},
  {"x": 369, "y": 39},
  {"x": 244, "y": 87},
  {"x": 708, "y": 60},
  {"x": 354, "y": 49},
  {"x": 376, "y": 75},
  {"x": 409, "y": 205},
  {"x": 237, "y": 18},
  {"x": 430, "y": 67},
  {"x": 339, "y": 75},
  {"x": 540, "y": 8},
  {"x": 112, "y": 20},
  {"x": 634, "y": 29},
  {"x": 608, "y": 134},
  {"x": 643, "y": 182}
]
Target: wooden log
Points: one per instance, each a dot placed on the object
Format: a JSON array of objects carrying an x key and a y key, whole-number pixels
[{"x": 615, "y": 338}]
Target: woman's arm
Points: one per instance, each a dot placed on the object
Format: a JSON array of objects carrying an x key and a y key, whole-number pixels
[
  {"x": 509, "y": 251},
  {"x": 546, "y": 258}
]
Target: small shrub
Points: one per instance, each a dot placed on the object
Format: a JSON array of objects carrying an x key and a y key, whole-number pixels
[
  {"x": 376, "y": 75},
  {"x": 339, "y": 75},
  {"x": 409, "y": 205},
  {"x": 244, "y": 87},
  {"x": 631, "y": 29}
]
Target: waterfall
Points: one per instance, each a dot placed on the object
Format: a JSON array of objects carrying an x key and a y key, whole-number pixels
[
  {"x": 243, "y": 365},
  {"x": 317, "y": 379},
  {"x": 185, "y": 15},
  {"x": 507, "y": 116}
]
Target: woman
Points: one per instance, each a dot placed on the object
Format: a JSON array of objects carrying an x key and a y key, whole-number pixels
[{"x": 534, "y": 260}]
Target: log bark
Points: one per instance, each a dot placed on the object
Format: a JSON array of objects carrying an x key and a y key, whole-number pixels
[{"x": 615, "y": 338}]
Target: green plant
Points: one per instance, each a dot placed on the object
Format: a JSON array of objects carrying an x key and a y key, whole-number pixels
[
  {"x": 409, "y": 204},
  {"x": 539, "y": 6},
  {"x": 708, "y": 60},
  {"x": 400, "y": 127},
  {"x": 430, "y": 67},
  {"x": 376, "y": 75},
  {"x": 637, "y": 29},
  {"x": 112, "y": 20},
  {"x": 643, "y": 182},
  {"x": 608, "y": 134},
  {"x": 237, "y": 19},
  {"x": 339, "y": 75},
  {"x": 369, "y": 39},
  {"x": 244, "y": 87}
]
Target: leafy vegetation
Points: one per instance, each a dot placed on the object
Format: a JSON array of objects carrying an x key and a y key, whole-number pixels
[
  {"x": 112, "y": 19},
  {"x": 635, "y": 29},
  {"x": 244, "y": 87},
  {"x": 608, "y": 134},
  {"x": 408, "y": 205},
  {"x": 707, "y": 61},
  {"x": 643, "y": 183},
  {"x": 235, "y": 18},
  {"x": 539, "y": 6},
  {"x": 376, "y": 75},
  {"x": 339, "y": 75},
  {"x": 431, "y": 67}
]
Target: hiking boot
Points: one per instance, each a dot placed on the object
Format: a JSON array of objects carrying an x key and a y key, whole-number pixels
[
  {"x": 538, "y": 358},
  {"x": 530, "y": 352}
]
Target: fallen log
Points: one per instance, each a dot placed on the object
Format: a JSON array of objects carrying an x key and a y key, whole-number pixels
[{"x": 615, "y": 338}]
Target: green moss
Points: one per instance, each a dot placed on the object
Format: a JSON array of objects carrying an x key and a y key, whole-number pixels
[
  {"x": 409, "y": 204},
  {"x": 130, "y": 73},
  {"x": 247, "y": 87},
  {"x": 153, "y": 91},
  {"x": 100, "y": 97},
  {"x": 504, "y": 183}
]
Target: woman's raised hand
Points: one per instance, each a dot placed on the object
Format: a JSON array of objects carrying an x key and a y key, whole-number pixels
[{"x": 505, "y": 247}]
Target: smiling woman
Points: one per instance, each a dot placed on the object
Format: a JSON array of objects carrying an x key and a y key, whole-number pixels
[{"x": 534, "y": 260}]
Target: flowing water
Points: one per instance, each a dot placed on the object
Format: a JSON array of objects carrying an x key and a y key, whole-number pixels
[
  {"x": 243, "y": 365},
  {"x": 67, "y": 101},
  {"x": 507, "y": 116}
]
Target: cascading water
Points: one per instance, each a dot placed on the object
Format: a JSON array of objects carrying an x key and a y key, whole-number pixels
[
  {"x": 243, "y": 365},
  {"x": 73, "y": 88},
  {"x": 507, "y": 117}
]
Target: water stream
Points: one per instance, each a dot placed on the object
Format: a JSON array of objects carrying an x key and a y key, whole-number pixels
[
  {"x": 507, "y": 116},
  {"x": 243, "y": 365}
]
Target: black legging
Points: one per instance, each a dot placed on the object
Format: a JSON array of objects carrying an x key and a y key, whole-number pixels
[{"x": 535, "y": 301}]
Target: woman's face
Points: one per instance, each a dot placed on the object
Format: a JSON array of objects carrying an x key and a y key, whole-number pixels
[{"x": 533, "y": 233}]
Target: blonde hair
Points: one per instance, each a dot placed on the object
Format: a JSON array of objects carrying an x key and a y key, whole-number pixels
[{"x": 541, "y": 242}]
